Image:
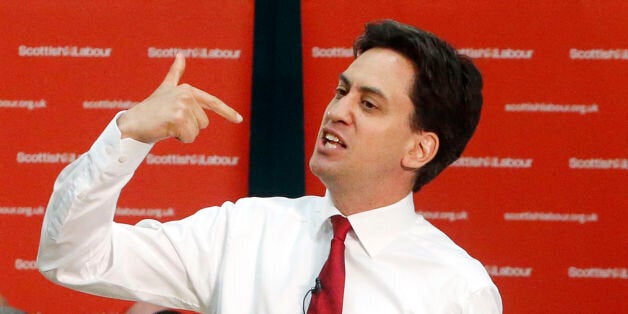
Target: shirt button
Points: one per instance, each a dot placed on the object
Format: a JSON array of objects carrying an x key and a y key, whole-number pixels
[
  {"x": 81, "y": 196},
  {"x": 122, "y": 159},
  {"x": 109, "y": 150}
]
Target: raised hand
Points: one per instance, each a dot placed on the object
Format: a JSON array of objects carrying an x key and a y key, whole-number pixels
[{"x": 173, "y": 110}]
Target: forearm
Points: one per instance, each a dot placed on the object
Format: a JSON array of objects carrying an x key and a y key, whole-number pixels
[{"x": 79, "y": 217}]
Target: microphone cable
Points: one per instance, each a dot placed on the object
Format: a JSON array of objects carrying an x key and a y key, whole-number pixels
[{"x": 317, "y": 287}]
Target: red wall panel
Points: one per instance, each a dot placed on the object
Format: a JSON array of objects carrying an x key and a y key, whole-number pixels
[
  {"x": 67, "y": 68},
  {"x": 539, "y": 196}
]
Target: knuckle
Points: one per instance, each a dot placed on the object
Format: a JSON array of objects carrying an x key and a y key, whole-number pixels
[
  {"x": 178, "y": 118},
  {"x": 184, "y": 93},
  {"x": 185, "y": 97},
  {"x": 214, "y": 104}
]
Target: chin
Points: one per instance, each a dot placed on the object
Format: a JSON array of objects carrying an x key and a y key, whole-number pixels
[
  {"x": 314, "y": 166},
  {"x": 318, "y": 169}
]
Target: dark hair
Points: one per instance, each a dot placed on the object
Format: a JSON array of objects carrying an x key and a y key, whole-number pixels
[{"x": 446, "y": 92}]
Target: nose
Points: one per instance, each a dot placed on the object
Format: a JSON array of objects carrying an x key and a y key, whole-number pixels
[{"x": 341, "y": 110}]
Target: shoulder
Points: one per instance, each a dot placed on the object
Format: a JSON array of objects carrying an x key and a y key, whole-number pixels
[{"x": 431, "y": 243}]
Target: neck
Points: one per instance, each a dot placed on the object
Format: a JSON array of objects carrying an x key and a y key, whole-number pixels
[{"x": 353, "y": 201}]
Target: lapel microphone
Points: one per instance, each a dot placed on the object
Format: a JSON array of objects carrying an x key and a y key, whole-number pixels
[
  {"x": 317, "y": 286},
  {"x": 316, "y": 289}
]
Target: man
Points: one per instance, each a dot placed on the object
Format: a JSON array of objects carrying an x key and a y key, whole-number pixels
[{"x": 403, "y": 110}]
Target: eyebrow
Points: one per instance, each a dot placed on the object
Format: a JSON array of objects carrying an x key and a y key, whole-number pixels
[{"x": 365, "y": 89}]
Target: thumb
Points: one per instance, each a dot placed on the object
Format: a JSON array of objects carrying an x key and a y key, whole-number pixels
[{"x": 176, "y": 71}]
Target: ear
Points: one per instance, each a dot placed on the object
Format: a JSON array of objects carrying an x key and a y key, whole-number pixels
[{"x": 422, "y": 149}]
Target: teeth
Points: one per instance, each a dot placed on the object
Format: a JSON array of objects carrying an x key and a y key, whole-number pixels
[
  {"x": 331, "y": 138},
  {"x": 330, "y": 145}
]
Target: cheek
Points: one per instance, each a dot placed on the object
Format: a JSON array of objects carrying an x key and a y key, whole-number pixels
[
  {"x": 386, "y": 144},
  {"x": 396, "y": 141}
]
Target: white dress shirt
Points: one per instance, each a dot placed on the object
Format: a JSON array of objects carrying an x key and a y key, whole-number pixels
[{"x": 257, "y": 255}]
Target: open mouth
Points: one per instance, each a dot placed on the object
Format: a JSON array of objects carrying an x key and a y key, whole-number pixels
[{"x": 332, "y": 141}]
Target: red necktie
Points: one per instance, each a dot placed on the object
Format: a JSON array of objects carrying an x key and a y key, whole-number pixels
[{"x": 328, "y": 300}]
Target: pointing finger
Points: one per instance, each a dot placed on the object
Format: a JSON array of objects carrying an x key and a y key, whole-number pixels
[
  {"x": 212, "y": 103},
  {"x": 202, "y": 121},
  {"x": 176, "y": 71}
]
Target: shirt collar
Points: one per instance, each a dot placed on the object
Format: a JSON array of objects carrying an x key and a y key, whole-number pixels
[{"x": 376, "y": 228}]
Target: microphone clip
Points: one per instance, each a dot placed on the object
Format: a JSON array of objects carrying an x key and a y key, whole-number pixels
[{"x": 317, "y": 286}]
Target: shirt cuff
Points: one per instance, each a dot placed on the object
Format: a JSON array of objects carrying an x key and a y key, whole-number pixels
[{"x": 115, "y": 155}]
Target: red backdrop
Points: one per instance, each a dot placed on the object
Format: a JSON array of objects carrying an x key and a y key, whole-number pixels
[
  {"x": 540, "y": 193},
  {"x": 67, "y": 68}
]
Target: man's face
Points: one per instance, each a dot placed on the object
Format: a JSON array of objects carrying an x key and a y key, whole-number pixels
[{"x": 365, "y": 131}]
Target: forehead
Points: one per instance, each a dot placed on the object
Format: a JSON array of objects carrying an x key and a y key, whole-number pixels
[{"x": 384, "y": 69}]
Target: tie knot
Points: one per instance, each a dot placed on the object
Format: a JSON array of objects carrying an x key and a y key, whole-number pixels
[{"x": 341, "y": 226}]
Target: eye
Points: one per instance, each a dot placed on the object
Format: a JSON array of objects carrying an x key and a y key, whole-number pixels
[
  {"x": 340, "y": 91},
  {"x": 368, "y": 105}
]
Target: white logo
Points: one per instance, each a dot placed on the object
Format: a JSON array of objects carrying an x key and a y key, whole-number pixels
[
  {"x": 335, "y": 52},
  {"x": 23, "y": 103},
  {"x": 493, "y": 162},
  {"x": 146, "y": 212},
  {"x": 597, "y": 272},
  {"x": 598, "y": 54},
  {"x": 548, "y": 107},
  {"x": 444, "y": 215},
  {"x": 45, "y": 158},
  {"x": 108, "y": 104},
  {"x": 557, "y": 217},
  {"x": 598, "y": 163},
  {"x": 64, "y": 51},
  {"x": 27, "y": 211},
  {"x": 21, "y": 264},
  {"x": 199, "y": 53},
  {"x": 509, "y": 271},
  {"x": 497, "y": 53},
  {"x": 200, "y": 160}
]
